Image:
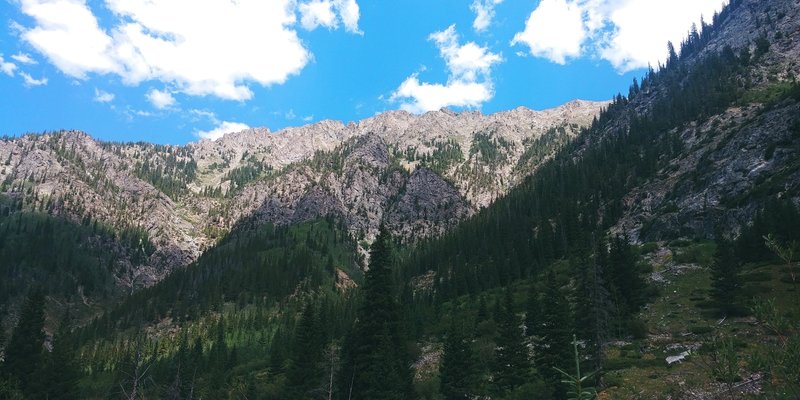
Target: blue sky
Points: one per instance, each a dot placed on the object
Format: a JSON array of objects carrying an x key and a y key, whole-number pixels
[{"x": 173, "y": 71}]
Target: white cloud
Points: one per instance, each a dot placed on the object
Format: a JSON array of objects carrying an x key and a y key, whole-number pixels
[
  {"x": 434, "y": 96},
  {"x": 8, "y": 68},
  {"x": 329, "y": 13},
  {"x": 349, "y": 12},
  {"x": 629, "y": 34},
  {"x": 469, "y": 82},
  {"x": 102, "y": 96},
  {"x": 213, "y": 47},
  {"x": 221, "y": 129},
  {"x": 24, "y": 58},
  {"x": 637, "y": 41},
  {"x": 555, "y": 30},
  {"x": 160, "y": 99},
  {"x": 484, "y": 13},
  {"x": 317, "y": 13},
  {"x": 464, "y": 62},
  {"x": 30, "y": 81},
  {"x": 67, "y": 33}
]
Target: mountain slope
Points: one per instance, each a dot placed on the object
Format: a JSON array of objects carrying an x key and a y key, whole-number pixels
[
  {"x": 187, "y": 197},
  {"x": 682, "y": 155}
]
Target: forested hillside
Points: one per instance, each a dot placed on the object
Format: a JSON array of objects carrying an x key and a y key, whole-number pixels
[{"x": 653, "y": 255}]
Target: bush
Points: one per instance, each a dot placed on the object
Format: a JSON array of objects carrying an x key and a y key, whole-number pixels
[
  {"x": 701, "y": 329},
  {"x": 648, "y": 247},
  {"x": 760, "y": 276},
  {"x": 680, "y": 243},
  {"x": 637, "y": 328}
]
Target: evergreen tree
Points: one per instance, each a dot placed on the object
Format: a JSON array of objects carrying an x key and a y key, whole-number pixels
[
  {"x": 626, "y": 281},
  {"x": 24, "y": 357},
  {"x": 554, "y": 349},
  {"x": 726, "y": 284},
  {"x": 512, "y": 365},
  {"x": 532, "y": 312},
  {"x": 378, "y": 363},
  {"x": 457, "y": 371},
  {"x": 304, "y": 371},
  {"x": 61, "y": 371},
  {"x": 593, "y": 307}
]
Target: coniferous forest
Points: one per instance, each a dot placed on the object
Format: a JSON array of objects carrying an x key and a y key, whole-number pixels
[{"x": 539, "y": 295}]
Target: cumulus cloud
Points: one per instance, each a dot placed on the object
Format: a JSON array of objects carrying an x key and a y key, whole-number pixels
[
  {"x": 629, "y": 34},
  {"x": 160, "y": 99},
  {"x": 101, "y": 96},
  {"x": 329, "y": 13},
  {"x": 484, "y": 13},
  {"x": 6, "y": 67},
  {"x": 67, "y": 33},
  {"x": 555, "y": 30},
  {"x": 217, "y": 48},
  {"x": 221, "y": 129},
  {"x": 637, "y": 41},
  {"x": 469, "y": 82},
  {"x": 31, "y": 81}
]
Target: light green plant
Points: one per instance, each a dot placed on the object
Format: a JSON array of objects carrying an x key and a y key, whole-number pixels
[{"x": 578, "y": 385}]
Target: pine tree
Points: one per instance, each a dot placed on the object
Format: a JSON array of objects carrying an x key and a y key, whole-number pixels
[
  {"x": 24, "y": 357},
  {"x": 378, "y": 363},
  {"x": 304, "y": 373},
  {"x": 61, "y": 372},
  {"x": 627, "y": 284},
  {"x": 593, "y": 307},
  {"x": 725, "y": 281},
  {"x": 532, "y": 312},
  {"x": 554, "y": 350},
  {"x": 457, "y": 371},
  {"x": 512, "y": 365}
]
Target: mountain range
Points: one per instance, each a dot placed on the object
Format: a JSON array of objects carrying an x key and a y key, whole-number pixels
[{"x": 443, "y": 255}]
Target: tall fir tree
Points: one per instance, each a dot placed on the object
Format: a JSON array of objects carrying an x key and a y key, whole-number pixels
[
  {"x": 533, "y": 312},
  {"x": 61, "y": 370},
  {"x": 304, "y": 373},
  {"x": 457, "y": 371},
  {"x": 594, "y": 307},
  {"x": 512, "y": 363},
  {"x": 726, "y": 283},
  {"x": 24, "y": 355},
  {"x": 379, "y": 365},
  {"x": 625, "y": 279},
  {"x": 554, "y": 349}
]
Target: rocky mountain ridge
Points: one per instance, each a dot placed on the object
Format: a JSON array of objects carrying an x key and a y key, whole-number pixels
[
  {"x": 732, "y": 160},
  {"x": 420, "y": 174}
]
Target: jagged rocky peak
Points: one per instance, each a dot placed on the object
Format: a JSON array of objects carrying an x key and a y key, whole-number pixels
[{"x": 421, "y": 174}]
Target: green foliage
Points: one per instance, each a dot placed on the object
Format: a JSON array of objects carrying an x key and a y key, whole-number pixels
[
  {"x": 512, "y": 364},
  {"x": 166, "y": 169},
  {"x": 725, "y": 280},
  {"x": 444, "y": 156},
  {"x": 457, "y": 372},
  {"x": 724, "y": 360},
  {"x": 304, "y": 367},
  {"x": 488, "y": 149},
  {"x": 61, "y": 372},
  {"x": 578, "y": 384},
  {"x": 241, "y": 176},
  {"x": 553, "y": 350},
  {"x": 257, "y": 265},
  {"x": 24, "y": 358},
  {"x": 781, "y": 219},
  {"x": 376, "y": 348},
  {"x": 66, "y": 259}
]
